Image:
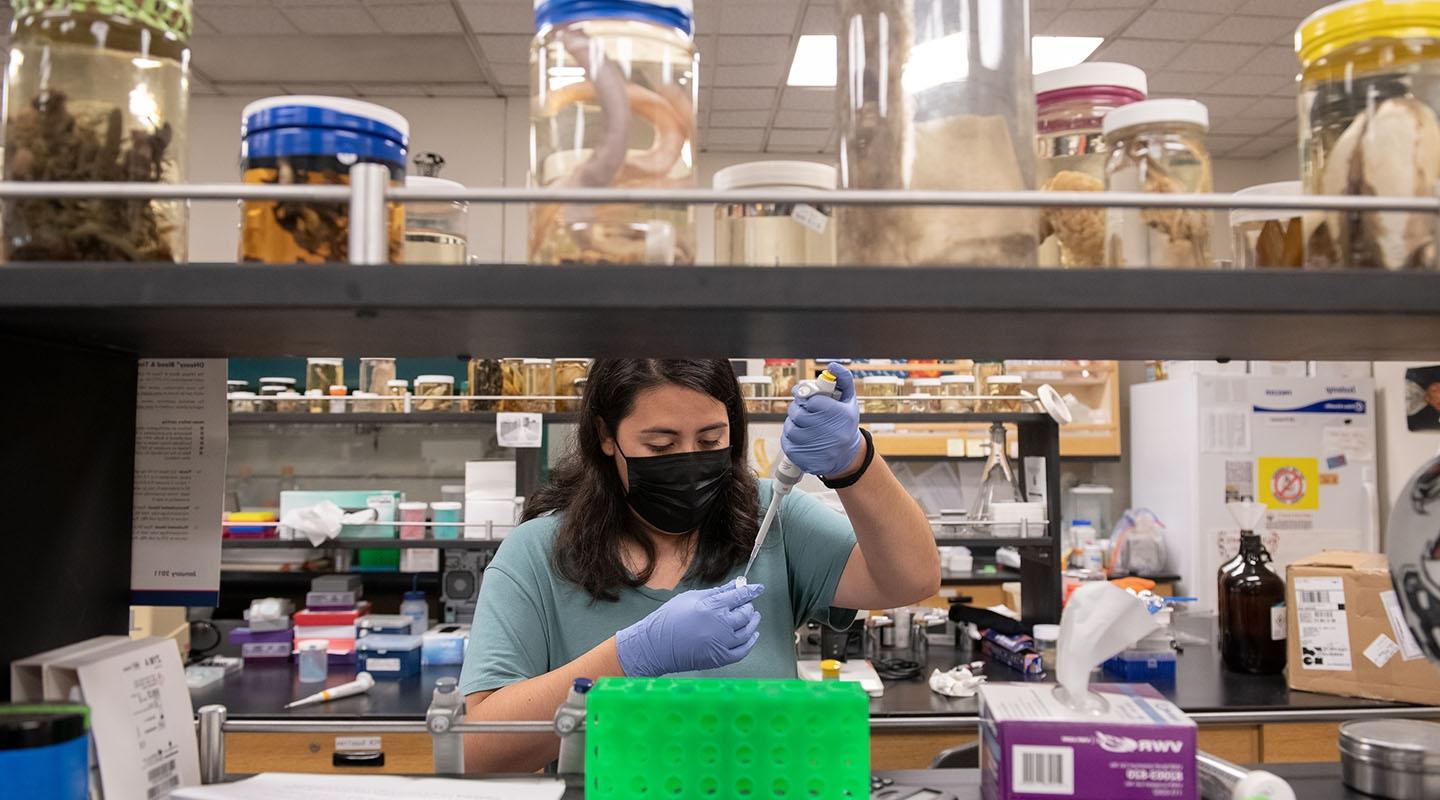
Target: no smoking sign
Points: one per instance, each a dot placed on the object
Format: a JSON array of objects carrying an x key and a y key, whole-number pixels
[{"x": 1290, "y": 484}]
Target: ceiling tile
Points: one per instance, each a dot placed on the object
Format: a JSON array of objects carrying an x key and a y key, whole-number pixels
[
  {"x": 1255, "y": 30},
  {"x": 790, "y": 118},
  {"x": 332, "y": 20},
  {"x": 276, "y": 59},
  {"x": 805, "y": 149},
  {"x": 1040, "y": 20},
  {"x": 707, "y": 17},
  {"x": 1241, "y": 83},
  {"x": 808, "y": 99},
  {"x": 1260, "y": 148},
  {"x": 1183, "y": 84},
  {"x": 490, "y": 17},
  {"x": 506, "y": 49},
  {"x": 238, "y": 21},
  {"x": 1274, "y": 61},
  {"x": 766, "y": 75},
  {"x": 1295, "y": 9},
  {"x": 1212, "y": 57},
  {"x": 739, "y": 119},
  {"x": 241, "y": 89},
  {"x": 332, "y": 88},
  {"x": 1147, "y": 54},
  {"x": 511, "y": 74},
  {"x": 742, "y": 99},
  {"x": 822, "y": 19},
  {"x": 1048, "y": 5},
  {"x": 1274, "y": 108},
  {"x": 1181, "y": 25},
  {"x": 427, "y": 18},
  {"x": 209, "y": 4},
  {"x": 799, "y": 138},
  {"x": 390, "y": 90},
  {"x": 1242, "y": 125},
  {"x": 745, "y": 138},
  {"x": 753, "y": 50},
  {"x": 1084, "y": 4},
  {"x": 1088, "y": 23},
  {"x": 1222, "y": 106},
  {"x": 203, "y": 27},
  {"x": 1220, "y": 6},
  {"x": 773, "y": 16},
  {"x": 460, "y": 90}
]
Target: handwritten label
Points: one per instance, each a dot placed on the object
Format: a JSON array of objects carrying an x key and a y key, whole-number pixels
[{"x": 811, "y": 217}]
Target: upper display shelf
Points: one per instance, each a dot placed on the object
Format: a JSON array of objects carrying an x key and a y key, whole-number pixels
[
  {"x": 215, "y": 310},
  {"x": 412, "y": 311}
]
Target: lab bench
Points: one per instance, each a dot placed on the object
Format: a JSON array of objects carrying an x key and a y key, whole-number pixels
[{"x": 1248, "y": 719}]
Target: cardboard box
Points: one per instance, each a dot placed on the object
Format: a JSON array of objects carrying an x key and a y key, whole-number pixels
[
  {"x": 1140, "y": 746},
  {"x": 26, "y": 674},
  {"x": 1347, "y": 634}
]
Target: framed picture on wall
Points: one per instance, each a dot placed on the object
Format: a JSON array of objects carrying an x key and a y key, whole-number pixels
[{"x": 1422, "y": 398}]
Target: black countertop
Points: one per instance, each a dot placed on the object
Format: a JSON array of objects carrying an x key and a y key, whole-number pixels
[{"x": 1203, "y": 688}]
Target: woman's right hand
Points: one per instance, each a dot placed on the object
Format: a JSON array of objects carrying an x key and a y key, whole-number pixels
[{"x": 698, "y": 629}]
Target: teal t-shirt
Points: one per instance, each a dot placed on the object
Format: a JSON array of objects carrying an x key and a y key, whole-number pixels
[{"x": 529, "y": 621}]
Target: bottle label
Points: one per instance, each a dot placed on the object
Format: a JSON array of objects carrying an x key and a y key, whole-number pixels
[
  {"x": 1277, "y": 622},
  {"x": 1323, "y": 624}
]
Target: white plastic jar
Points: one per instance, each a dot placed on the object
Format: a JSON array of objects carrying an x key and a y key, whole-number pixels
[
  {"x": 774, "y": 234},
  {"x": 435, "y": 231}
]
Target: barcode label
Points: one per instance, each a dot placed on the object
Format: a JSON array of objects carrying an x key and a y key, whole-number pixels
[
  {"x": 163, "y": 789},
  {"x": 1323, "y": 624},
  {"x": 1316, "y": 598},
  {"x": 1042, "y": 770},
  {"x": 161, "y": 771}
]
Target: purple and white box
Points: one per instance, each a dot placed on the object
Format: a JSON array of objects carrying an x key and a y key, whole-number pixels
[{"x": 1139, "y": 746}]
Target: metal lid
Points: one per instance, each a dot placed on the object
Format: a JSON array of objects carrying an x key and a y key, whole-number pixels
[{"x": 1408, "y": 744}]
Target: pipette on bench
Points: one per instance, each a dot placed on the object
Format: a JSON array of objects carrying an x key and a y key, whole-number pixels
[{"x": 360, "y": 685}]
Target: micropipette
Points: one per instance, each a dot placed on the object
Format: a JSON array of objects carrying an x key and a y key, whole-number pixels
[
  {"x": 360, "y": 685},
  {"x": 786, "y": 473}
]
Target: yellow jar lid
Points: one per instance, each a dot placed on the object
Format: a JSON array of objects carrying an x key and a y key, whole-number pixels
[{"x": 1346, "y": 23}]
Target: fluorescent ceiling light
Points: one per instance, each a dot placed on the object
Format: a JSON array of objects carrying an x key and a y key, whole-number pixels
[
  {"x": 815, "y": 56},
  {"x": 1058, "y": 52},
  {"x": 814, "y": 64}
]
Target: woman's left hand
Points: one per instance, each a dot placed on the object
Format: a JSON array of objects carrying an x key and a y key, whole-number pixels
[{"x": 822, "y": 434}]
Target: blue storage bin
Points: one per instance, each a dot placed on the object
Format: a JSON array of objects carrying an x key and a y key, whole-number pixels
[
  {"x": 1143, "y": 666},
  {"x": 389, "y": 656}
]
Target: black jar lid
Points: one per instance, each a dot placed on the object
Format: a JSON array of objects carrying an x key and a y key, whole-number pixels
[{"x": 24, "y": 726}]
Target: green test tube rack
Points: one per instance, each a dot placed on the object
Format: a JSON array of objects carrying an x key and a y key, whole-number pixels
[{"x": 715, "y": 739}]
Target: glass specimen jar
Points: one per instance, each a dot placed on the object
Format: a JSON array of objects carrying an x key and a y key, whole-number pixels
[
  {"x": 322, "y": 373},
  {"x": 97, "y": 92},
  {"x": 959, "y": 393},
  {"x": 924, "y": 106},
  {"x": 880, "y": 393},
  {"x": 433, "y": 393},
  {"x": 512, "y": 382},
  {"x": 613, "y": 96},
  {"x": 784, "y": 374},
  {"x": 483, "y": 376},
  {"x": 289, "y": 401},
  {"x": 1369, "y": 97},
  {"x": 1002, "y": 395},
  {"x": 294, "y": 140},
  {"x": 395, "y": 392},
  {"x": 774, "y": 234},
  {"x": 984, "y": 371},
  {"x": 1070, "y": 108},
  {"x": 757, "y": 391},
  {"x": 436, "y": 232},
  {"x": 537, "y": 379},
  {"x": 567, "y": 372},
  {"x": 376, "y": 374},
  {"x": 268, "y": 394},
  {"x": 1268, "y": 237},
  {"x": 243, "y": 402},
  {"x": 1158, "y": 147}
]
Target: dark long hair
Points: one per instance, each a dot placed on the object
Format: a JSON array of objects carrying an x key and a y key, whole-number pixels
[{"x": 585, "y": 488}]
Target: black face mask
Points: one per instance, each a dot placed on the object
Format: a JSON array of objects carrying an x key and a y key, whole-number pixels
[{"x": 674, "y": 493}]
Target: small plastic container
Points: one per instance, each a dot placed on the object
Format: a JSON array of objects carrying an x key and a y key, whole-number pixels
[
  {"x": 757, "y": 391},
  {"x": 414, "y": 605},
  {"x": 1264, "y": 237},
  {"x": 376, "y": 374},
  {"x": 384, "y": 625},
  {"x": 436, "y": 232},
  {"x": 1002, "y": 393},
  {"x": 483, "y": 377},
  {"x": 880, "y": 393},
  {"x": 287, "y": 384},
  {"x": 413, "y": 512},
  {"x": 1070, "y": 106},
  {"x": 784, "y": 373},
  {"x": 774, "y": 234},
  {"x": 312, "y": 660},
  {"x": 243, "y": 402},
  {"x": 959, "y": 391},
  {"x": 537, "y": 379},
  {"x": 568, "y": 371},
  {"x": 389, "y": 656},
  {"x": 512, "y": 383},
  {"x": 1047, "y": 641},
  {"x": 303, "y": 140},
  {"x": 289, "y": 402},
  {"x": 395, "y": 392},
  {"x": 1158, "y": 147},
  {"x": 917, "y": 403},
  {"x": 433, "y": 393},
  {"x": 338, "y": 406},
  {"x": 322, "y": 373},
  {"x": 1143, "y": 666},
  {"x": 445, "y": 511}
]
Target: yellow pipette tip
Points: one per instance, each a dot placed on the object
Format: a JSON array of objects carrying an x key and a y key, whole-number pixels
[{"x": 826, "y": 375}]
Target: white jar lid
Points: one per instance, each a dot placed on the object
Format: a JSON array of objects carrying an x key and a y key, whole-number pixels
[
  {"x": 1149, "y": 112},
  {"x": 957, "y": 378},
  {"x": 776, "y": 175},
  {"x": 445, "y": 505},
  {"x": 881, "y": 379},
  {"x": 435, "y": 379},
  {"x": 289, "y": 395},
  {"x": 537, "y": 362},
  {"x": 241, "y": 396},
  {"x": 926, "y": 381},
  {"x": 325, "y": 361},
  {"x": 413, "y": 505},
  {"x": 755, "y": 379},
  {"x": 1093, "y": 73},
  {"x": 344, "y": 105},
  {"x": 920, "y": 396},
  {"x": 340, "y": 387},
  {"x": 377, "y": 358},
  {"x": 427, "y": 182},
  {"x": 285, "y": 381},
  {"x": 1240, "y": 216},
  {"x": 398, "y": 383},
  {"x": 1005, "y": 379}
]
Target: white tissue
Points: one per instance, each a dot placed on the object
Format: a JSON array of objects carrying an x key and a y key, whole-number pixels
[
  {"x": 1247, "y": 515},
  {"x": 1100, "y": 620},
  {"x": 958, "y": 682},
  {"x": 322, "y": 521}
]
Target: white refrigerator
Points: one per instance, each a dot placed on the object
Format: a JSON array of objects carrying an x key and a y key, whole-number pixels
[{"x": 1303, "y": 446}]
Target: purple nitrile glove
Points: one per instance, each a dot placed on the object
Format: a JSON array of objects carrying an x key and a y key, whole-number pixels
[
  {"x": 698, "y": 629},
  {"x": 822, "y": 434}
]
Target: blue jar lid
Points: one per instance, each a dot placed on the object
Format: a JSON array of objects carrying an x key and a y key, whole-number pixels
[
  {"x": 678, "y": 14},
  {"x": 414, "y": 594},
  {"x": 324, "y": 113},
  {"x": 284, "y": 142}
]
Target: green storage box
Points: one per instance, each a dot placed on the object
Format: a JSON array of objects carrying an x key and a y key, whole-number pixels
[{"x": 711, "y": 738}]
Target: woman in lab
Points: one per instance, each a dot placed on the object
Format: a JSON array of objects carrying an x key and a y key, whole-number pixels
[{"x": 626, "y": 563}]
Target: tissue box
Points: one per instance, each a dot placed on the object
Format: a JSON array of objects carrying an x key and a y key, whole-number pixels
[
  {"x": 383, "y": 501},
  {"x": 1034, "y": 747},
  {"x": 444, "y": 645}
]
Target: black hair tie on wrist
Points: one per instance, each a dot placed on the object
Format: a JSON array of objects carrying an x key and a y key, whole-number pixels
[{"x": 850, "y": 480}]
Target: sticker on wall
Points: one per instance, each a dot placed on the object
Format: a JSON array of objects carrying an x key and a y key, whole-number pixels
[
  {"x": 1239, "y": 481},
  {"x": 1290, "y": 484},
  {"x": 1422, "y": 398}
]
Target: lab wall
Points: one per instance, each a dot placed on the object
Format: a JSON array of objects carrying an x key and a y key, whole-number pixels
[{"x": 1401, "y": 452}]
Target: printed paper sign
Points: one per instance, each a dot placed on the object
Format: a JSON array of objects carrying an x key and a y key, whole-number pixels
[
  {"x": 1239, "y": 481},
  {"x": 514, "y": 429},
  {"x": 1382, "y": 650},
  {"x": 1290, "y": 484},
  {"x": 1354, "y": 442},
  {"x": 1225, "y": 431},
  {"x": 1408, "y": 646},
  {"x": 1323, "y": 624},
  {"x": 181, "y": 432}
]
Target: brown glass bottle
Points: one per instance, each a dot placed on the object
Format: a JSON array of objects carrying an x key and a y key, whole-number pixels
[{"x": 1249, "y": 621}]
